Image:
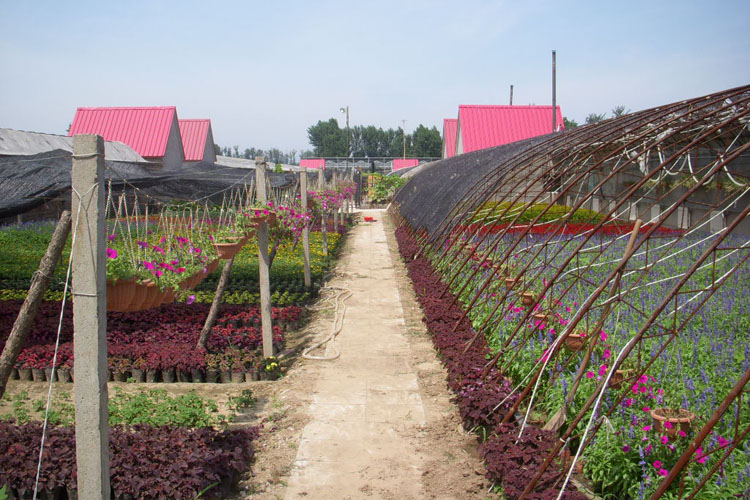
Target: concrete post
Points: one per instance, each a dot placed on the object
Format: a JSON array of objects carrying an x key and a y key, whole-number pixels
[
  {"x": 264, "y": 262},
  {"x": 306, "y": 229},
  {"x": 89, "y": 288},
  {"x": 323, "y": 228}
]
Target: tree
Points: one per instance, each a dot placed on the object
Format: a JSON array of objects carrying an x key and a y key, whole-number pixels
[
  {"x": 619, "y": 111},
  {"x": 594, "y": 118},
  {"x": 327, "y": 138},
  {"x": 236, "y": 151},
  {"x": 217, "y": 149},
  {"x": 569, "y": 124},
  {"x": 426, "y": 142}
]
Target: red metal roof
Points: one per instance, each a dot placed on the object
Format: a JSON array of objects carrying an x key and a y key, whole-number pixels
[
  {"x": 145, "y": 129},
  {"x": 487, "y": 126},
  {"x": 194, "y": 134},
  {"x": 450, "y": 125},
  {"x": 313, "y": 163},
  {"x": 399, "y": 163}
]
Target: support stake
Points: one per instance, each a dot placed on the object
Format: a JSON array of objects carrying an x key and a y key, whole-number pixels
[
  {"x": 306, "y": 229},
  {"x": 39, "y": 282},
  {"x": 264, "y": 262}
]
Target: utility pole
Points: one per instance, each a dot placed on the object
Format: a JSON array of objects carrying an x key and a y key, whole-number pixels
[
  {"x": 554, "y": 91},
  {"x": 348, "y": 144},
  {"x": 403, "y": 133}
]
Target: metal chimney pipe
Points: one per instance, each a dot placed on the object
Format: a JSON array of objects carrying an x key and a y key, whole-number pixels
[
  {"x": 511, "y": 95},
  {"x": 554, "y": 91}
]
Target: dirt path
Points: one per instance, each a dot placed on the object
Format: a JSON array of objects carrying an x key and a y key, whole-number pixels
[{"x": 377, "y": 422}]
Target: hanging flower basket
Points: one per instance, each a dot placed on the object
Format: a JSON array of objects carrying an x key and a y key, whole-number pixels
[
  {"x": 229, "y": 249},
  {"x": 670, "y": 420},
  {"x": 576, "y": 341},
  {"x": 510, "y": 282},
  {"x": 212, "y": 266},
  {"x": 541, "y": 317},
  {"x": 528, "y": 298},
  {"x": 120, "y": 294},
  {"x": 617, "y": 378}
]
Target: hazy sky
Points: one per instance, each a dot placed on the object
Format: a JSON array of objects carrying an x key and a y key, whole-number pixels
[{"x": 265, "y": 71}]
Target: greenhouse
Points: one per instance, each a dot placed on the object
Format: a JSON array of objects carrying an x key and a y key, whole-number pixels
[{"x": 586, "y": 290}]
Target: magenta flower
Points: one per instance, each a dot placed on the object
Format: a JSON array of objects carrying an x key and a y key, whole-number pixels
[
  {"x": 626, "y": 448},
  {"x": 148, "y": 265},
  {"x": 647, "y": 409},
  {"x": 701, "y": 457},
  {"x": 603, "y": 336},
  {"x": 602, "y": 369},
  {"x": 646, "y": 428},
  {"x": 657, "y": 464},
  {"x": 190, "y": 299},
  {"x": 668, "y": 425},
  {"x": 629, "y": 402},
  {"x": 112, "y": 237},
  {"x": 111, "y": 253},
  {"x": 664, "y": 440},
  {"x": 589, "y": 374},
  {"x": 682, "y": 434},
  {"x": 606, "y": 354},
  {"x": 143, "y": 244},
  {"x": 723, "y": 442},
  {"x": 663, "y": 472}
]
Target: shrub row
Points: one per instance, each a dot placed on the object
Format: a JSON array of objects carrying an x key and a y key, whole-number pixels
[{"x": 482, "y": 401}]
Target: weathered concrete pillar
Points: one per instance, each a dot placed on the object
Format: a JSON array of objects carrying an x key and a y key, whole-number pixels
[
  {"x": 323, "y": 222},
  {"x": 264, "y": 262},
  {"x": 717, "y": 222},
  {"x": 306, "y": 229},
  {"x": 89, "y": 288},
  {"x": 655, "y": 213}
]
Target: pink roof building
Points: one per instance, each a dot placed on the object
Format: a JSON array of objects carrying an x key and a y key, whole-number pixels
[
  {"x": 450, "y": 125},
  {"x": 198, "y": 140},
  {"x": 399, "y": 163},
  {"x": 313, "y": 163},
  {"x": 153, "y": 132},
  {"x": 481, "y": 127}
]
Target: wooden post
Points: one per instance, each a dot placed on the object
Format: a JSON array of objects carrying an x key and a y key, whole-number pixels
[
  {"x": 213, "y": 313},
  {"x": 39, "y": 282},
  {"x": 306, "y": 229},
  {"x": 323, "y": 235},
  {"x": 89, "y": 286},
  {"x": 264, "y": 262}
]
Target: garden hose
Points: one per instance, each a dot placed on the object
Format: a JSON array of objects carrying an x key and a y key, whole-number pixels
[{"x": 340, "y": 299}]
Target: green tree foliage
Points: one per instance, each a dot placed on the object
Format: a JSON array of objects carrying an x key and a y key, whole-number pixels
[
  {"x": 594, "y": 118},
  {"x": 619, "y": 111},
  {"x": 426, "y": 142},
  {"x": 327, "y": 138},
  {"x": 569, "y": 124}
]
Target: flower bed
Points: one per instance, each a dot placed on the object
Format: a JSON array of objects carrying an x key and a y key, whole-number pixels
[
  {"x": 483, "y": 401},
  {"x": 630, "y": 454},
  {"x": 159, "y": 339},
  {"x": 145, "y": 462}
]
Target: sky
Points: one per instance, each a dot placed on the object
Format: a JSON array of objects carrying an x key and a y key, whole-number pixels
[{"x": 263, "y": 72}]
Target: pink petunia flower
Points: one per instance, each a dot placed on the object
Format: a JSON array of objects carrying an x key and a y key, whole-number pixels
[
  {"x": 657, "y": 464},
  {"x": 668, "y": 425},
  {"x": 664, "y": 439},
  {"x": 682, "y": 434},
  {"x": 626, "y": 448},
  {"x": 190, "y": 299},
  {"x": 663, "y": 472},
  {"x": 646, "y": 428},
  {"x": 590, "y": 374},
  {"x": 111, "y": 253}
]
